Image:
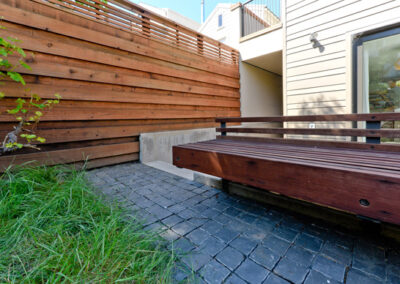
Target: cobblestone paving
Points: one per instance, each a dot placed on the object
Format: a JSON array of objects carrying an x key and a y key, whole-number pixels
[{"x": 227, "y": 239}]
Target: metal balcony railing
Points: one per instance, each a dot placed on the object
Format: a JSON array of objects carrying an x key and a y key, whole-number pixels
[{"x": 260, "y": 14}]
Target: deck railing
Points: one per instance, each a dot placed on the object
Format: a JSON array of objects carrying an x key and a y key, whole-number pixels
[
  {"x": 260, "y": 14},
  {"x": 133, "y": 18}
]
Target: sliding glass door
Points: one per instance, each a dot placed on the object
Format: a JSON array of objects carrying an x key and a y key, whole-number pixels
[{"x": 378, "y": 78}]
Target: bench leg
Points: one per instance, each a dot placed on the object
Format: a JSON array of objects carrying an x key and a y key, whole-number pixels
[{"x": 225, "y": 185}]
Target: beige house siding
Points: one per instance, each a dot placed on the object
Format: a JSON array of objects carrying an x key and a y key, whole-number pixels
[{"x": 318, "y": 80}]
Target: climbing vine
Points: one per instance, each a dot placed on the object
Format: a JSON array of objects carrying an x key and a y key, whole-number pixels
[{"x": 27, "y": 111}]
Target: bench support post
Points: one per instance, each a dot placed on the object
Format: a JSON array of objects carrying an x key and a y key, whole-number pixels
[
  {"x": 223, "y": 125},
  {"x": 373, "y": 125}
]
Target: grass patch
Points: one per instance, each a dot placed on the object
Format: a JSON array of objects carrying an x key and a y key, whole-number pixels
[{"x": 54, "y": 229}]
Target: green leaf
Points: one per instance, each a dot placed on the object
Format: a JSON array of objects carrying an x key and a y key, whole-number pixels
[
  {"x": 2, "y": 95},
  {"x": 13, "y": 111},
  {"x": 41, "y": 139},
  {"x": 5, "y": 63},
  {"x": 41, "y": 106},
  {"x": 21, "y": 51},
  {"x": 16, "y": 77},
  {"x": 23, "y": 64},
  {"x": 3, "y": 52}
]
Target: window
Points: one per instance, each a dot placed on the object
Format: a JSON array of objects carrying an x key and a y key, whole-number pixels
[
  {"x": 378, "y": 57},
  {"x": 220, "y": 20}
]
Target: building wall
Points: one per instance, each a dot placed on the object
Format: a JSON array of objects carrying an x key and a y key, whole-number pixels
[
  {"x": 115, "y": 84},
  {"x": 319, "y": 80},
  {"x": 261, "y": 91},
  {"x": 229, "y": 33},
  {"x": 173, "y": 15}
]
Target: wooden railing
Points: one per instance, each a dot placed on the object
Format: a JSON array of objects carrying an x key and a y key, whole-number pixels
[
  {"x": 135, "y": 19},
  {"x": 372, "y": 131}
]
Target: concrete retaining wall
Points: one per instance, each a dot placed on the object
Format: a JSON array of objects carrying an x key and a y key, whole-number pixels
[{"x": 157, "y": 146}]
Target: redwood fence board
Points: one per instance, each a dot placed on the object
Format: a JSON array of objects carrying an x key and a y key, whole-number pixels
[{"x": 119, "y": 74}]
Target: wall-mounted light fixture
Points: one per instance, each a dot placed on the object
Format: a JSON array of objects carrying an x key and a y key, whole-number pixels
[{"x": 315, "y": 42}]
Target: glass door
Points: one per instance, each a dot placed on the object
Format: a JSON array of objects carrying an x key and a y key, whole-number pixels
[{"x": 379, "y": 72}]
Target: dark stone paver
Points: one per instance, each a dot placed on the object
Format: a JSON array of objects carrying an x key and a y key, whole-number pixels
[
  {"x": 214, "y": 272},
  {"x": 228, "y": 239},
  {"x": 307, "y": 241},
  {"x": 274, "y": 279},
  {"x": 315, "y": 277},
  {"x": 243, "y": 244},
  {"x": 226, "y": 234},
  {"x": 183, "y": 245},
  {"x": 276, "y": 244},
  {"x": 329, "y": 268},
  {"x": 196, "y": 260},
  {"x": 298, "y": 254},
  {"x": 184, "y": 228},
  {"x": 212, "y": 246},
  {"x": 230, "y": 257},
  {"x": 252, "y": 272},
  {"x": 234, "y": 279},
  {"x": 265, "y": 257},
  {"x": 198, "y": 236},
  {"x": 357, "y": 277},
  {"x": 291, "y": 270}
]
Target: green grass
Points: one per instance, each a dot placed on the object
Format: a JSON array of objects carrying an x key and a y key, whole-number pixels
[{"x": 53, "y": 229}]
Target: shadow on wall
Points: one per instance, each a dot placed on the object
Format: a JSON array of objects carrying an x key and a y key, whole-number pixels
[{"x": 318, "y": 105}]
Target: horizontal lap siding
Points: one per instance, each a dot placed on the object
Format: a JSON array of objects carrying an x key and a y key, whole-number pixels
[
  {"x": 114, "y": 86},
  {"x": 317, "y": 81}
]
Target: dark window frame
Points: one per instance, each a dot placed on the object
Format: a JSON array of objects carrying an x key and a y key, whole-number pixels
[{"x": 360, "y": 40}]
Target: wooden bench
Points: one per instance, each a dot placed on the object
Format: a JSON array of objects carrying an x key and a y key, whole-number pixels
[{"x": 358, "y": 177}]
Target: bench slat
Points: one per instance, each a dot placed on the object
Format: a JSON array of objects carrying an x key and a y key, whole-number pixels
[
  {"x": 319, "y": 143},
  {"x": 313, "y": 158}
]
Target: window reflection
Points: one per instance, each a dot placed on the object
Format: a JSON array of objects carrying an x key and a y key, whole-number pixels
[{"x": 381, "y": 72}]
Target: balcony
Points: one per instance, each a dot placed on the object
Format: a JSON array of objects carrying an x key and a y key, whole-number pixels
[
  {"x": 259, "y": 15},
  {"x": 261, "y": 39}
]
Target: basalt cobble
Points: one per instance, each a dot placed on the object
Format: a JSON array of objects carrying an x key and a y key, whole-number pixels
[{"x": 227, "y": 239}]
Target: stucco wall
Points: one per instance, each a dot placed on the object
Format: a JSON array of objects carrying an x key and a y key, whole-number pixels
[{"x": 261, "y": 91}]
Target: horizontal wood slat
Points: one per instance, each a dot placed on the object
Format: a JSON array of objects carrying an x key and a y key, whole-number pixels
[
  {"x": 67, "y": 156},
  {"x": 328, "y": 117},
  {"x": 50, "y": 43},
  {"x": 389, "y": 133},
  {"x": 120, "y": 70},
  {"x": 46, "y": 18},
  {"x": 316, "y": 143}
]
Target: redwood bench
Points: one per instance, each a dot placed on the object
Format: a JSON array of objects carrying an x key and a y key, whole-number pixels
[{"x": 358, "y": 177}]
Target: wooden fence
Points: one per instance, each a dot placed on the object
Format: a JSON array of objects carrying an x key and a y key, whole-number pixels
[{"x": 121, "y": 71}]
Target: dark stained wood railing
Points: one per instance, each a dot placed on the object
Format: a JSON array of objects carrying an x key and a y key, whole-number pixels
[
  {"x": 131, "y": 17},
  {"x": 372, "y": 131},
  {"x": 362, "y": 178}
]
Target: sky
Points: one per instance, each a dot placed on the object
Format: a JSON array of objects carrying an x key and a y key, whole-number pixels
[{"x": 188, "y": 8}]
